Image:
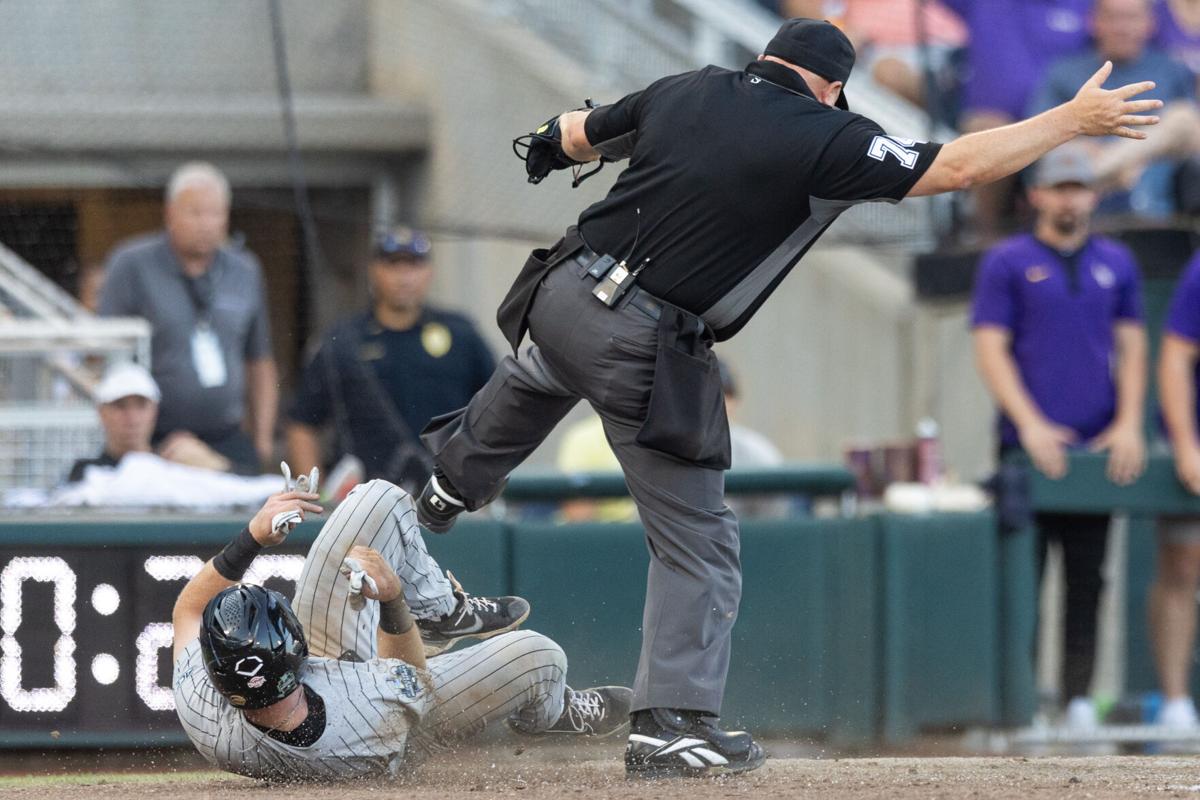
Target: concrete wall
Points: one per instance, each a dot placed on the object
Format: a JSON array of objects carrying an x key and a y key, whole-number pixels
[
  {"x": 839, "y": 353},
  {"x": 829, "y": 359},
  {"x": 98, "y": 47},
  {"x": 948, "y": 388},
  {"x": 484, "y": 82}
]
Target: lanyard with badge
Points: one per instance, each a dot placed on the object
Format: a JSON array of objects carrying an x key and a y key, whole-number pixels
[{"x": 207, "y": 357}]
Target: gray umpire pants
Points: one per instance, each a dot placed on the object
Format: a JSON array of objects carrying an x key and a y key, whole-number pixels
[{"x": 583, "y": 349}]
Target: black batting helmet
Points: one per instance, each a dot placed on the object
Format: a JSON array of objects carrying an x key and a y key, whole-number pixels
[{"x": 253, "y": 645}]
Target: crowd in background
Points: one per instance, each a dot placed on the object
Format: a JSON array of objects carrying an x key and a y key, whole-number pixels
[
  {"x": 978, "y": 64},
  {"x": 210, "y": 396},
  {"x": 1053, "y": 311}
]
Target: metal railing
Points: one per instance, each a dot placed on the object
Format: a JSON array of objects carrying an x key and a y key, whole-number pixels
[
  {"x": 817, "y": 480},
  {"x": 52, "y": 351}
]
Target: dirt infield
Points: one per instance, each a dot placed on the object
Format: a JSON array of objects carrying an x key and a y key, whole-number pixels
[{"x": 596, "y": 774}]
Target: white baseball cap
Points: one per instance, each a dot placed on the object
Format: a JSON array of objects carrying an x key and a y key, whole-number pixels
[{"x": 124, "y": 380}]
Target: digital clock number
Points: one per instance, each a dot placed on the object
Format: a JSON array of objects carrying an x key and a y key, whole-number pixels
[
  {"x": 45, "y": 569},
  {"x": 105, "y": 599}
]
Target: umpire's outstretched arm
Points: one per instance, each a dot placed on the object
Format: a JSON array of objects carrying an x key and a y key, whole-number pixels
[{"x": 990, "y": 155}]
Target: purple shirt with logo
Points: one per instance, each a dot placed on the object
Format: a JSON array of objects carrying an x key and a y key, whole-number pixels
[
  {"x": 1012, "y": 43},
  {"x": 1183, "y": 318},
  {"x": 1179, "y": 44},
  {"x": 1061, "y": 324}
]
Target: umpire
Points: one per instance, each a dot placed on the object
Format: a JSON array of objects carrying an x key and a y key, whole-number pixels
[{"x": 732, "y": 176}]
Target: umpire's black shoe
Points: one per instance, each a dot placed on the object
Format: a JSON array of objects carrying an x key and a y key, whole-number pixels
[
  {"x": 666, "y": 743},
  {"x": 439, "y": 504},
  {"x": 472, "y": 618}
]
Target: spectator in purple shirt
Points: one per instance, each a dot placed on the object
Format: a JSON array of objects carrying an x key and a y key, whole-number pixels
[
  {"x": 1173, "y": 594},
  {"x": 1053, "y": 310},
  {"x": 1143, "y": 175},
  {"x": 1012, "y": 42},
  {"x": 1178, "y": 33}
]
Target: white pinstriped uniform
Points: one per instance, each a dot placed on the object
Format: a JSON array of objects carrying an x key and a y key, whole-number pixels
[{"x": 381, "y": 713}]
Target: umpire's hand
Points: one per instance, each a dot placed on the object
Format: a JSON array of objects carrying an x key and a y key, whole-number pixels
[
  {"x": 1104, "y": 112},
  {"x": 284, "y": 502}
]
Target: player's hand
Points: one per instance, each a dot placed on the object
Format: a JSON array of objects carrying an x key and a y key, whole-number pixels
[
  {"x": 1046, "y": 444},
  {"x": 1126, "y": 452},
  {"x": 262, "y": 526},
  {"x": 1187, "y": 467},
  {"x": 1113, "y": 112},
  {"x": 388, "y": 586}
]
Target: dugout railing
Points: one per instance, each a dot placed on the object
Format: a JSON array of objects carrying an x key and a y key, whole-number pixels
[
  {"x": 852, "y": 629},
  {"x": 855, "y": 629},
  {"x": 1085, "y": 489}
]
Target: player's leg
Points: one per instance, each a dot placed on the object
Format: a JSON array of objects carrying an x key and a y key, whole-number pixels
[
  {"x": 1084, "y": 545},
  {"x": 521, "y": 673},
  {"x": 1172, "y": 607},
  {"x": 476, "y": 448},
  {"x": 694, "y": 583},
  {"x": 518, "y": 678},
  {"x": 693, "y": 589},
  {"x": 378, "y": 515}
]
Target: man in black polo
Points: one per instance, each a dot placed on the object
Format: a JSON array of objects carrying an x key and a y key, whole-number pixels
[
  {"x": 731, "y": 178},
  {"x": 379, "y": 376}
]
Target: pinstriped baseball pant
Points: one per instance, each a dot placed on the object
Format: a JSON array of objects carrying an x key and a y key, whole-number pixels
[{"x": 519, "y": 675}]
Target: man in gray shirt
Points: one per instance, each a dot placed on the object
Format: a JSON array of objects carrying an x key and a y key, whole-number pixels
[{"x": 204, "y": 299}]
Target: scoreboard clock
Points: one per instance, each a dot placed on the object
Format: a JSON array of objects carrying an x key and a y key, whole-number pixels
[{"x": 85, "y": 623}]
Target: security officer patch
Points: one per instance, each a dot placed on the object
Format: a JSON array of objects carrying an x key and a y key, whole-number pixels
[
  {"x": 371, "y": 351},
  {"x": 436, "y": 339}
]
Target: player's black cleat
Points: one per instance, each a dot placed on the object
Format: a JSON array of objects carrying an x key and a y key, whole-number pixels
[
  {"x": 439, "y": 505},
  {"x": 666, "y": 743},
  {"x": 600, "y": 711},
  {"x": 472, "y": 618}
]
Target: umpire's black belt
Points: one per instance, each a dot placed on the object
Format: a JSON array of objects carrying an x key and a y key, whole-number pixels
[{"x": 636, "y": 296}]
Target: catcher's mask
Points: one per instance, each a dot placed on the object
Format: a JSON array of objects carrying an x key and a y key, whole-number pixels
[{"x": 253, "y": 645}]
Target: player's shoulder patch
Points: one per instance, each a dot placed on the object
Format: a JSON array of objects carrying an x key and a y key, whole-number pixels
[{"x": 404, "y": 678}]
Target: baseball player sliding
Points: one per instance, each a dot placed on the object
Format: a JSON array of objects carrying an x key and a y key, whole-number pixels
[{"x": 337, "y": 685}]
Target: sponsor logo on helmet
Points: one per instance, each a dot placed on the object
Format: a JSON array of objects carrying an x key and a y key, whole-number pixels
[
  {"x": 237, "y": 700},
  {"x": 256, "y": 681},
  {"x": 248, "y": 666},
  {"x": 287, "y": 682}
]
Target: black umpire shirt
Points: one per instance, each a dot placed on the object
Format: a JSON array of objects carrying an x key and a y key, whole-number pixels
[{"x": 736, "y": 174}]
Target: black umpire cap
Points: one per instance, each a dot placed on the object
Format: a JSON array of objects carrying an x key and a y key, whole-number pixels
[{"x": 816, "y": 45}]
